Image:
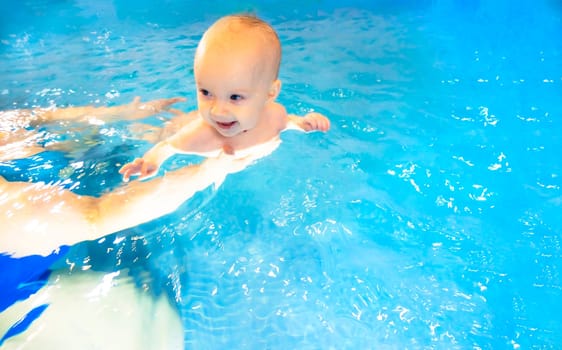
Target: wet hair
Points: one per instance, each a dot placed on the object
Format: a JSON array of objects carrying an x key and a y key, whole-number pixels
[{"x": 269, "y": 34}]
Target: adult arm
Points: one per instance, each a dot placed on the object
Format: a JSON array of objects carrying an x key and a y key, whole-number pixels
[
  {"x": 37, "y": 218},
  {"x": 131, "y": 111}
]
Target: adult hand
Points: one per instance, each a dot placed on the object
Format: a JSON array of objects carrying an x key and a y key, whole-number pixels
[{"x": 138, "y": 110}]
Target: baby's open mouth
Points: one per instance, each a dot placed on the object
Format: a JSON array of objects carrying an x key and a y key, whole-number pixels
[{"x": 226, "y": 125}]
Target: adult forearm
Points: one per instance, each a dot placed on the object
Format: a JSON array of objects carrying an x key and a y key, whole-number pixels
[
  {"x": 139, "y": 202},
  {"x": 81, "y": 113}
]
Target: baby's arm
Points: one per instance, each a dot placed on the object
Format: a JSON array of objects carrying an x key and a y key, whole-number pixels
[
  {"x": 184, "y": 141},
  {"x": 148, "y": 165},
  {"x": 310, "y": 122}
]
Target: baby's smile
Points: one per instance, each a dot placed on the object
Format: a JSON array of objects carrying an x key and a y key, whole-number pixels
[{"x": 226, "y": 125}]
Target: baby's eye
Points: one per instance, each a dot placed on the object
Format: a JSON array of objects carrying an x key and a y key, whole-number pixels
[
  {"x": 204, "y": 92},
  {"x": 236, "y": 97}
]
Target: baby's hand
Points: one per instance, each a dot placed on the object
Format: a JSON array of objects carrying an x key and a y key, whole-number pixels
[
  {"x": 139, "y": 166},
  {"x": 315, "y": 121}
]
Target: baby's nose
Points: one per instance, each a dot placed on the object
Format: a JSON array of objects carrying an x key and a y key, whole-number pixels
[{"x": 218, "y": 108}]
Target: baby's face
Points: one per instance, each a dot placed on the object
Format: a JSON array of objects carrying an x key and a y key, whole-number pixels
[{"x": 233, "y": 85}]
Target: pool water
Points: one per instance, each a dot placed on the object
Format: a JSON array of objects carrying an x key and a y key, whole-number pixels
[{"x": 427, "y": 217}]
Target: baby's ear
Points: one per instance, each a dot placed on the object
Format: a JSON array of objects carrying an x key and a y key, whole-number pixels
[{"x": 274, "y": 90}]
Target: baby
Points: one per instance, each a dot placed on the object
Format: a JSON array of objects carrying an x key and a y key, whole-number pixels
[
  {"x": 237, "y": 122},
  {"x": 236, "y": 70}
]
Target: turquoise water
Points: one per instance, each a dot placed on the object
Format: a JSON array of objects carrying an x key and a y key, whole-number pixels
[{"x": 428, "y": 217}]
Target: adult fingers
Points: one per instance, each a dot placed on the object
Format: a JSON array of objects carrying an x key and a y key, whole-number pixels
[
  {"x": 170, "y": 101},
  {"x": 176, "y": 111}
]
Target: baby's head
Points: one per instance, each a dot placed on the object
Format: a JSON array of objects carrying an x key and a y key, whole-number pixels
[
  {"x": 236, "y": 68},
  {"x": 237, "y": 34}
]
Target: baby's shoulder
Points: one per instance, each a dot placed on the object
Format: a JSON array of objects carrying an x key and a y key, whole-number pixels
[
  {"x": 278, "y": 109},
  {"x": 278, "y": 115}
]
